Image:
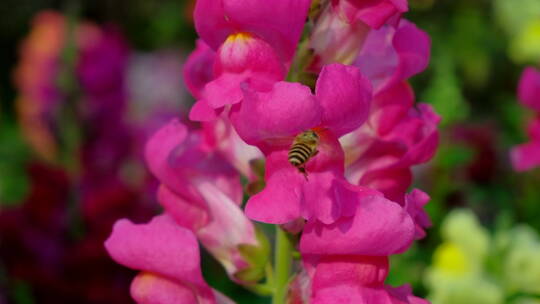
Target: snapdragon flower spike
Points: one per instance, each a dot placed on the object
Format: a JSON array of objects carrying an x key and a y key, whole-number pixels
[
  {"x": 527, "y": 156},
  {"x": 390, "y": 54},
  {"x": 201, "y": 192},
  {"x": 397, "y": 136},
  {"x": 271, "y": 121},
  {"x": 254, "y": 42},
  {"x": 374, "y": 13},
  {"x": 169, "y": 260}
]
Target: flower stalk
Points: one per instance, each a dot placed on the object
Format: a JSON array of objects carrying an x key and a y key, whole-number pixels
[{"x": 282, "y": 267}]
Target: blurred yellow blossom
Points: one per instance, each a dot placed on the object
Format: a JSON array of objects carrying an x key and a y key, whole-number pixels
[{"x": 470, "y": 266}]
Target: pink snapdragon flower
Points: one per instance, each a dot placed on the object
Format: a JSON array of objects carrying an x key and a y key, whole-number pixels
[
  {"x": 374, "y": 13},
  {"x": 202, "y": 192},
  {"x": 393, "y": 54},
  {"x": 169, "y": 260},
  {"x": 397, "y": 135},
  {"x": 343, "y": 26},
  {"x": 271, "y": 120},
  {"x": 218, "y": 131},
  {"x": 527, "y": 156},
  {"x": 254, "y": 42},
  {"x": 347, "y": 261}
]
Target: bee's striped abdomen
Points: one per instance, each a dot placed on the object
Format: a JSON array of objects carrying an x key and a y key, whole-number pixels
[{"x": 299, "y": 154}]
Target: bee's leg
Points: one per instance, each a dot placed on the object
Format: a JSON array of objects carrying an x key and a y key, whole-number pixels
[
  {"x": 303, "y": 171},
  {"x": 315, "y": 153}
]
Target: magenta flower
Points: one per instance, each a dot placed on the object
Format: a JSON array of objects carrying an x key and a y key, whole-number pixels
[
  {"x": 374, "y": 13},
  {"x": 527, "y": 156},
  {"x": 272, "y": 120},
  {"x": 254, "y": 43},
  {"x": 198, "y": 68},
  {"x": 381, "y": 153},
  {"x": 168, "y": 257},
  {"x": 390, "y": 55},
  {"x": 356, "y": 279},
  {"x": 336, "y": 39},
  {"x": 347, "y": 261},
  {"x": 397, "y": 135},
  {"x": 376, "y": 227},
  {"x": 201, "y": 192}
]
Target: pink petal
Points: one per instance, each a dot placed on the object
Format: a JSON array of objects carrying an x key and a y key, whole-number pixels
[
  {"x": 334, "y": 39},
  {"x": 284, "y": 112},
  {"x": 390, "y": 106},
  {"x": 414, "y": 204},
  {"x": 279, "y": 22},
  {"x": 186, "y": 214},
  {"x": 224, "y": 90},
  {"x": 201, "y": 111},
  {"x": 390, "y": 55},
  {"x": 344, "y": 95},
  {"x": 198, "y": 68},
  {"x": 228, "y": 228},
  {"x": 526, "y": 156},
  {"x": 529, "y": 88},
  {"x": 289, "y": 194},
  {"x": 403, "y": 294},
  {"x": 149, "y": 288},
  {"x": 378, "y": 15},
  {"x": 375, "y": 13},
  {"x": 392, "y": 182},
  {"x": 160, "y": 247},
  {"x": 279, "y": 202},
  {"x": 181, "y": 161},
  {"x": 379, "y": 227},
  {"x": 242, "y": 59}
]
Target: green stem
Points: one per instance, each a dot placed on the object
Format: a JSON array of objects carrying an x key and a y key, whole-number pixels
[{"x": 282, "y": 267}]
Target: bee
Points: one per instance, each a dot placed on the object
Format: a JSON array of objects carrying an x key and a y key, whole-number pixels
[{"x": 304, "y": 147}]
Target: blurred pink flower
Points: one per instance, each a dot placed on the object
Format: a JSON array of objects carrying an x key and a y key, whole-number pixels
[
  {"x": 529, "y": 88},
  {"x": 169, "y": 260},
  {"x": 527, "y": 156}
]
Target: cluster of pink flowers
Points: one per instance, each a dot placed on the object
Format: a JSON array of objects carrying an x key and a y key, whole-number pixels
[
  {"x": 527, "y": 156},
  {"x": 351, "y": 211}
]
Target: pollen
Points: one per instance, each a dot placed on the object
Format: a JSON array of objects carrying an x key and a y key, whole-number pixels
[{"x": 236, "y": 37}]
